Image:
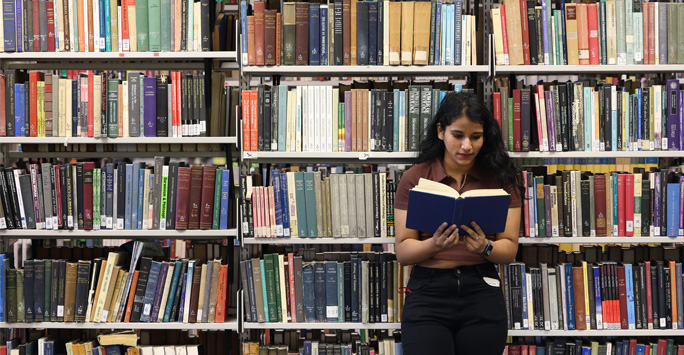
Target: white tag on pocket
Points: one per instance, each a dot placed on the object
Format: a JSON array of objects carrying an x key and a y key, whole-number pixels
[{"x": 492, "y": 282}]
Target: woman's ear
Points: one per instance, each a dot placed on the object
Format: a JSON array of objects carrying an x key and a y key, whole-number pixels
[{"x": 440, "y": 132}]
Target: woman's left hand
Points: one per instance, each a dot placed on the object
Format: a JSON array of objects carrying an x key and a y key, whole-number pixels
[{"x": 475, "y": 239}]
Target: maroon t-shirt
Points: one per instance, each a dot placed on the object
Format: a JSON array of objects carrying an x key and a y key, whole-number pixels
[{"x": 476, "y": 179}]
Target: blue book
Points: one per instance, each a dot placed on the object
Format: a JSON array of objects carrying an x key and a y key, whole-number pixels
[
  {"x": 541, "y": 350},
  {"x": 2, "y": 287},
  {"x": 629, "y": 290},
  {"x": 319, "y": 289},
  {"x": 262, "y": 271},
  {"x": 150, "y": 291},
  {"x": 112, "y": 349},
  {"x": 109, "y": 190},
  {"x": 49, "y": 347},
  {"x": 458, "y": 10},
  {"x": 75, "y": 99},
  {"x": 372, "y": 33},
  {"x": 135, "y": 177},
  {"x": 362, "y": 32},
  {"x": 438, "y": 33},
  {"x": 331, "y": 310},
  {"x": 314, "y": 34},
  {"x": 597, "y": 297},
  {"x": 282, "y": 117},
  {"x": 285, "y": 206},
  {"x": 428, "y": 208},
  {"x": 525, "y": 323},
  {"x": 445, "y": 33},
  {"x": 340, "y": 292},
  {"x": 181, "y": 308},
  {"x": 19, "y": 33},
  {"x": 139, "y": 205},
  {"x": 276, "y": 176},
  {"x": 324, "y": 34},
  {"x": 673, "y": 194},
  {"x": 251, "y": 292},
  {"x": 354, "y": 288},
  {"x": 225, "y": 192},
  {"x": 19, "y": 110},
  {"x": 9, "y": 25},
  {"x": 103, "y": 31},
  {"x": 381, "y": 32},
  {"x": 108, "y": 26},
  {"x": 128, "y": 197},
  {"x": 150, "y": 102},
  {"x": 569, "y": 294},
  {"x": 544, "y": 29},
  {"x": 680, "y": 295},
  {"x": 243, "y": 27},
  {"x": 310, "y": 304},
  {"x": 586, "y": 350}
]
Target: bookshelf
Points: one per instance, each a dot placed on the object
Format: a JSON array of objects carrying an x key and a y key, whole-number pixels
[
  {"x": 121, "y": 140},
  {"x": 323, "y": 325},
  {"x": 231, "y": 324},
  {"x": 119, "y": 234},
  {"x": 280, "y": 241}
]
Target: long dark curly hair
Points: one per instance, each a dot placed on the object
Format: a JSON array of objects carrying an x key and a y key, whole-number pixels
[{"x": 492, "y": 157}]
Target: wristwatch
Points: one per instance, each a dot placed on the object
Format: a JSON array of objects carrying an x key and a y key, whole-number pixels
[{"x": 488, "y": 249}]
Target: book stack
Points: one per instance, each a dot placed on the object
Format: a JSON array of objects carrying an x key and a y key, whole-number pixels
[
  {"x": 327, "y": 343},
  {"x": 563, "y": 345},
  {"x": 605, "y": 115},
  {"x": 101, "y": 290},
  {"x": 104, "y": 26},
  {"x": 610, "y": 32},
  {"x": 115, "y": 196},
  {"x": 313, "y": 205},
  {"x": 350, "y": 32},
  {"x": 387, "y": 117},
  {"x": 334, "y": 287}
]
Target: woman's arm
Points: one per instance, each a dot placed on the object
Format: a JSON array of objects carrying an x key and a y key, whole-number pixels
[
  {"x": 410, "y": 250},
  {"x": 505, "y": 247}
]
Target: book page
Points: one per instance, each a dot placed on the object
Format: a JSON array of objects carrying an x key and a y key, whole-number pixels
[
  {"x": 425, "y": 185},
  {"x": 484, "y": 192}
]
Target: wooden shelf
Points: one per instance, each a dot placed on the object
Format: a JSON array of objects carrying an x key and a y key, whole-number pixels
[
  {"x": 232, "y": 324},
  {"x": 119, "y": 234},
  {"x": 318, "y": 241},
  {"x": 322, "y": 325},
  {"x": 593, "y": 240},
  {"x": 122, "y": 140},
  {"x": 364, "y": 70}
]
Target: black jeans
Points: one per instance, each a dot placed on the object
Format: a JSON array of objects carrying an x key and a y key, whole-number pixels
[{"x": 454, "y": 311}]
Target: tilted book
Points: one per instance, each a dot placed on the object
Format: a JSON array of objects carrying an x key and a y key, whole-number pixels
[{"x": 431, "y": 203}]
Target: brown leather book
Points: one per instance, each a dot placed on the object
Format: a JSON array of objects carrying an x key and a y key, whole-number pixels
[
  {"x": 421, "y": 32},
  {"x": 183, "y": 197},
  {"x": 395, "y": 33},
  {"x": 194, "y": 295},
  {"x": 270, "y": 37},
  {"x": 195, "y": 196},
  {"x": 406, "y": 32},
  {"x": 70, "y": 292},
  {"x": 91, "y": 43},
  {"x": 259, "y": 28},
  {"x": 302, "y": 33},
  {"x": 578, "y": 287},
  {"x": 251, "y": 52},
  {"x": 208, "y": 189},
  {"x": 279, "y": 21},
  {"x": 353, "y": 46},
  {"x": 346, "y": 31}
]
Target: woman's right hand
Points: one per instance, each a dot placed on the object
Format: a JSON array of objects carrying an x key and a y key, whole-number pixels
[{"x": 445, "y": 236}]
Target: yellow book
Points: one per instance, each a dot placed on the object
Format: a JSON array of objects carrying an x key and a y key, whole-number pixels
[
  {"x": 114, "y": 283},
  {"x": 586, "y": 292},
  {"x": 513, "y": 32},
  {"x": 498, "y": 37},
  {"x": 116, "y": 297},
  {"x": 112, "y": 260},
  {"x": 407, "y": 32},
  {"x": 114, "y": 15},
  {"x": 421, "y": 32},
  {"x": 88, "y": 347},
  {"x": 127, "y": 338},
  {"x": 202, "y": 290},
  {"x": 571, "y": 33},
  {"x": 395, "y": 22}
]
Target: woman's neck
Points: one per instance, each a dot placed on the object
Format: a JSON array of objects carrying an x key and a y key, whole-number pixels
[{"x": 455, "y": 170}]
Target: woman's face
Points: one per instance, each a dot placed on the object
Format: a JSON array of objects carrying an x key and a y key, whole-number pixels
[{"x": 463, "y": 140}]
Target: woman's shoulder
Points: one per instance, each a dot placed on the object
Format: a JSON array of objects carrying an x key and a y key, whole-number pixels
[{"x": 417, "y": 171}]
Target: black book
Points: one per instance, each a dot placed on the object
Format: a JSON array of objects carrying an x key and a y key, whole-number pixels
[
  {"x": 586, "y": 212},
  {"x": 195, "y": 105},
  {"x": 645, "y": 110},
  {"x": 381, "y": 119},
  {"x": 15, "y": 199},
  {"x": 642, "y": 294},
  {"x": 362, "y": 23},
  {"x": 79, "y": 192},
  {"x": 662, "y": 305},
  {"x": 319, "y": 288},
  {"x": 382, "y": 296},
  {"x": 186, "y": 111},
  {"x": 61, "y": 285},
  {"x": 267, "y": 119},
  {"x": 260, "y": 119},
  {"x": 28, "y": 291},
  {"x": 620, "y": 138},
  {"x": 601, "y": 113},
  {"x": 202, "y": 106},
  {"x": 82, "y": 283},
  {"x": 563, "y": 109},
  {"x": 389, "y": 122},
  {"x": 347, "y": 291},
  {"x": 38, "y": 290},
  {"x": 381, "y": 33},
  {"x": 338, "y": 33},
  {"x": 139, "y": 297},
  {"x": 607, "y": 115},
  {"x": 636, "y": 281},
  {"x": 372, "y": 32},
  {"x": 7, "y": 205},
  {"x": 69, "y": 183},
  {"x": 162, "y": 125},
  {"x": 592, "y": 304},
  {"x": 54, "y": 287},
  {"x": 655, "y": 288},
  {"x": 55, "y": 185},
  {"x": 120, "y": 194},
  {"x": 27, "y": 200},
  {"x": 540, "y": 35},
  {"x": 205, "y": 31},
  {"x": 171, "y": 205},
  {"x": 62, "y": 186},
  {"x": 532, "y": 26}
]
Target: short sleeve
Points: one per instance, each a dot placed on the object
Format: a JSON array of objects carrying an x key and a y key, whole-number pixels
[
  {"x": 407, "y": 182},
  {"x": 514, "y": 191}
]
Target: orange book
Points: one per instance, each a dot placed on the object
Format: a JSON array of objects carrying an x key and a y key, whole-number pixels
[
  {"x": 583, "y": 34},
  {"x": 222, "y": 295},
  {"x": 259, "y": 29},
  {"x": 673, "y": 287},
  {"x": 246, "y": 134},
  {"x": 578, "y": 289},
  {"x": 81, "y": 28},
  {"x": 592, "y": 19},
  {"x": 251, "y": 50},
  {"x": 277, "y": 40},
  {"x": 120, "y": 110},
  {"x": 124, "y": 26},
  {"x": 91, "y": 43},
  {"x": 34, "y": 78},
  {"x": 100, "y": 278},
  {"x": 254, "y": 120},
  {"x": 131, "y": 296}
]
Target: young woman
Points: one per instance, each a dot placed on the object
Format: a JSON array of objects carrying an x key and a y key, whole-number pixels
[{"x": 454, "y": 302}]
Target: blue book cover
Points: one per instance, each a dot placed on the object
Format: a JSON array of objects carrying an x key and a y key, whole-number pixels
[
  {"x": 586, "y": 350},
  {"x": 19, "y": 114},
  {"x": 597, "y": 297},
  {"x": 9, "y": 25},
  {"x": 172, "y": 295},
  {"x": 112, "y": 349},
  {"x": 681, "y": 120},
  {"x": 438, "y": 33},
  {"x": 135, "y": 178},
  {"x": 340, "y": 292},
  {"x": 140, "y": 198},
  {"x": 150, "y": 102},
  {"x": 381, "y": 31},
  {"x": 314, "y": 34},
  {"x": 362, "y": 32},
  {"x": 49, "y": 347},
  {"x": 458, "y": 10},
  {"x": 181, "y": 308},
  {"x": 372, "y": 33},
  {"x": 629, "y": 291},
  {"x": 103, "y": 31},
  {"x": 2, "y": 287},
  {"x": 309, "y": 294},
  {"x": 108, "y": 27},
  {"x": 282, "y": 117},
  {"x": 262, "y": 270},
  {"x": 128, "y": 197},
  {"x": 285, "y": 205},
  {"x": 331, "y": 310},
  {"x": 525, "y": 323},
  {"x": 275, "y": 175},
  {"x": 243, "y": 28},
  {"x": 319, "y": 289},
  {"x": 150, "y": 291},
  {"x": 544, "y": 29},
  {"x": 673, "y": 194},
  {"x": 445, "y": 32},
  {"x": 225, "y": 193},
  {"x": 110, "y": 194},
  {"x": 680, "y": 296},
  {"x": 428, "y": 210},
  {"x": 251, "y": 292},
  {"x": 324, "y": 34},
  {"x": 19, "y": 33},
  {"x": 640, "y": 349},
  {"x": 541, "y": 350},
  {"x": 569, "y": 295}
]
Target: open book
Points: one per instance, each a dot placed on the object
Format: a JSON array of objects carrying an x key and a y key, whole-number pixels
[{"x": 432, "y": 203}]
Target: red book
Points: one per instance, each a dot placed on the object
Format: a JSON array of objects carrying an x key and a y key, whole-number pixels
[
  {"x": 514, "y": 350},
  {"x": 246, "y": 141},
  {"x": 649, "y": 296},
  {"x": 196, "y": 172},
  {"x": 496, "y": 101},
  {"x": 51, "y": 25},
  {"x": 222, "y": 298},
  {"x": 58, "y": 195},
  {"x": 88, "y": 195},
  {"x": 662, "y": 346},
  {"x": 621, "y": 185},
  {"x": 91, "y": 100},
  {"x": 525, "y": 32},
  {"x": 578, "y": 289},
  {"x": 179, "y": 107},
  {"x": 524, "y": 349},
  {"x": 632, "y": 346},
  {"x": 36, "y": 25},
  {"x": 622, "y": 288},
  {"x": 600, "y": 205},
  {"x": 131, "y": 296},
  {"x": 592, "y": 18},
  {"x": 182, "y": 197},
  {"x": 629, "y": 205},
  {"x": 290, "y": 268},
  {"x": 3, "y": 120},
  {"x": 208, "y": 187},
  {"x": 680, "y": 350},
  {"x": 504, "y": 33},
  {"x": 34, "y": 78},
  {"x": 259, "y": 30},
  {"x": 517, "y": 138},
  {"x": 605, "y": 296}
]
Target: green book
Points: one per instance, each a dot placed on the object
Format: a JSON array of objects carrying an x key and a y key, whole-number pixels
[
  {"x": 97, "y": 176},
  {"x": 141, "y": 24},
  {"x": 276, "y": 284},
  {"x": 310, "y": 196},
  {"x": 11, "y": 294},
  {"x": 264, "y": 289},
  {"x": 154, "y": 18},
  {"x": 620, "y": 32},
  {"x": 629, "y": 31},
  {"x": 165, "y": 25},
  {"x": 164, "y": 196},
  {"x": 289, "y": 33},
  {"x": 21, "y": 317},
  {"x": 217, "y": 199},
  {"x": 672, "y": 34},
  {"x": 269, "y": 272},
  {"x": 113, "y": 107},
  {"x": 300, "y": 198},
  {"x": 48, "y": 290}
]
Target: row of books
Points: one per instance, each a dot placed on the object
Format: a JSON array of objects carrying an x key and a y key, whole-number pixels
[
  {"x": 592, "y": 116},
  {"x": 310, "y": 204},
  {"x": 575, "y": 203},
  {"x": 350, "y": 32},
  {"x": 565, "y": 346},
  {"x": 606, "y": 32},
  {"x": 100, "y": 291},
  {"x": 361, "y": 117},
  {"x": 50, "y": 346},
  {"x": 388, "y": 346},
  {"x": 94, "y": 26},
  {"x": 100, "y": 104},
  {"x": 593, "y": 165},
  {"x": 115, "y": 196},
  {"x": 335, "y": 287}
]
